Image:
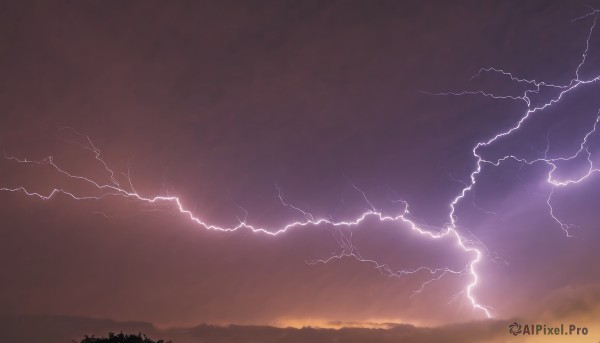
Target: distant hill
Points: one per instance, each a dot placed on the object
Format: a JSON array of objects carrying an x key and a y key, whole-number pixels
[{"x": 65, "y": 329}]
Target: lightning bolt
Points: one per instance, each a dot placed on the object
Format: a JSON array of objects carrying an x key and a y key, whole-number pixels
[
  {"x": 573, "y": 84},
  {"x": 343, "y": 228},
  {"x": 114, "y": 189}
]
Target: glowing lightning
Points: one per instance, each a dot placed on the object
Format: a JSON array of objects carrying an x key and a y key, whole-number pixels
[
  {"x": 114, "y": 189},
  {"x": 471, "y": 247},
  {"x": 572, "y": 85}
]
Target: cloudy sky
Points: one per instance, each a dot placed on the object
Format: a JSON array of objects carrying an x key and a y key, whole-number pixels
[{"x": 329, "y": 104}]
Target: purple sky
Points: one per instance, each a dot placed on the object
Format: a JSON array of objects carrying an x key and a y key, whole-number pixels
[{"x": 220, "y": 103}]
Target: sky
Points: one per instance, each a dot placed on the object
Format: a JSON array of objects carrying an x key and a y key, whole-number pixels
[{"x": 273, "y": 112}]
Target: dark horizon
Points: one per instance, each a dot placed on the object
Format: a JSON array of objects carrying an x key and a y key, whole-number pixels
[{"x": 57, "y": 329}]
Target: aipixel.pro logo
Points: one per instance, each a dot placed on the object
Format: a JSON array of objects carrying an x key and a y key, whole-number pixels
[{"x": 542, "y": 329}]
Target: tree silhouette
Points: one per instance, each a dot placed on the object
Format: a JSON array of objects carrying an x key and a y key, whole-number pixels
[{"x": 120, "y": 338}]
